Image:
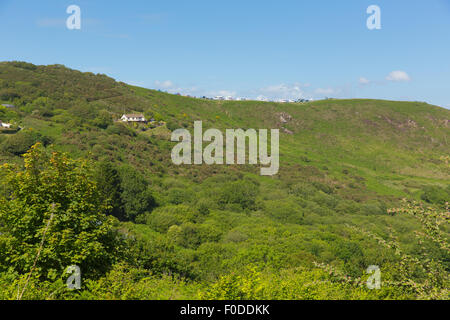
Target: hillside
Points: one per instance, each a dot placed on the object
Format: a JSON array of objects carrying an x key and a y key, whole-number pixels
[
  {"x": 343, "y": 164},
  {"x": 386, "y": 142}
]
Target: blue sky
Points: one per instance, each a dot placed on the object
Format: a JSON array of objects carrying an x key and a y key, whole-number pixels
[{"x": 273, "y": 49}]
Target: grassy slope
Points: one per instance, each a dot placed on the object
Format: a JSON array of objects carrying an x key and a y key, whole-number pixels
[
  {"x": 394, "y": 146},
  {"x": 366, "y": 150},
  {"x": 391, "y": 148},
  {"x": 384, "y": 139}
]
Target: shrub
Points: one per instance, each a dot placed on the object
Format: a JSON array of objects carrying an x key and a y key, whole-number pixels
[
  {"x": 436, "y": 195},
  {"x": 136, "y": 195},
  {"x": 19, "y": 143},
  {"x": 285, "y": 211},
  {"x": 55, "y": 196},
  {"x": 241, "y": 193},
  {"x": 120, "y": 129},
  {"x": 161, "y": 219},
  {"x": 179, "y": 196},
  {"x": 9, "y": 94},
  {"x": 103, "y": 120}
]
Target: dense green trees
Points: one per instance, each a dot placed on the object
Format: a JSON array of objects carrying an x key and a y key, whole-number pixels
[
  {"x": 19, "y": 143},
  {"x": 136, "y": 193},
  {"x": 436, "y": 195},
  {"x": 238, "y": 193},
  {"x": 103, "y": 120},
  {"x": 127, "y": 192},
  {"x": 109, "y": 185},
  {"x": 58, "y": 196},
  {"x": 9, "y": 94}
]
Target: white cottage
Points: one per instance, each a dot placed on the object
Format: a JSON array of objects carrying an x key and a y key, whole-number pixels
[
  {"x": 4, "y": 125},
  {"x": 133, "y": 118}
]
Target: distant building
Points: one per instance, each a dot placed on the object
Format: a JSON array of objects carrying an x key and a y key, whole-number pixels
[
  {"x": 4, "y": 125},
  {"x": 8, "y": 105},
  {"x": 133, "y": 118}
]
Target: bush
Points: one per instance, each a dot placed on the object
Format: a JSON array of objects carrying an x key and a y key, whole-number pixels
[
  {"x": 204, "y": 206},
  {"x": 436, "y": 195},
  {"x": 241, "y": 193},
  {"x": 109, "y": 184},
  {"x": 23, "y": 65},
  {"x": 302, "y": 190},
  {"x": 161, "y": 219},
  {"x": 55, "y": 196},
  {"x": 120, "y": 129},
  {"x": 172, "y": 125},
  {"x": 285, "y": 211},
  {"x": 9, "y": 94},
  {"x": 103, "y": 119},
  {"x": 136, "y": 195},
  {"x": 179, "y": 196},
  {"x": 19, "y": 143},
  {"x": 371, "y": 209}
]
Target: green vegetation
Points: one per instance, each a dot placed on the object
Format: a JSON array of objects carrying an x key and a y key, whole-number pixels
[{"x": 79, "y": 188}]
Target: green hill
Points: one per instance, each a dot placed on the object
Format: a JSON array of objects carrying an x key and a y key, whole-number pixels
[{"x": 343, "y": 164}]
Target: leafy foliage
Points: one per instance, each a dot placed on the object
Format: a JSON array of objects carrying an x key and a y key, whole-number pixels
[
  {"x": 79, "y": 234},
  {"x": 136, "y": 195}
]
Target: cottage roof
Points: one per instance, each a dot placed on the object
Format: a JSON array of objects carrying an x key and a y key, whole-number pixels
[{"x": 134, "y": 115}]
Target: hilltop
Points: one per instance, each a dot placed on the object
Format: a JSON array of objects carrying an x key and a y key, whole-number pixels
[{"x": 343, "y": 164}]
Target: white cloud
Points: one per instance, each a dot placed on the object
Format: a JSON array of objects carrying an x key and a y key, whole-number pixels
[
  {"x": 223, "y": 93},
  {"x": 171, "y": 87},
  {"x": 363, "y": 81},
  {"x": 398, "y": 76},
  {"x": 326, "y": 91},
  {"x": 284, "y": 91},
  {"x": 164, "y": 84}
]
